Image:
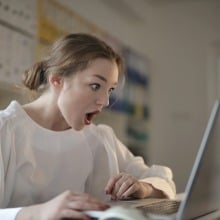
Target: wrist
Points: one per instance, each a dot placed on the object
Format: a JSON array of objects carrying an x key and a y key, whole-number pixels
[
  {"x": 151, "y": 192},
  {"x": 28, "y": 213},
  {"x": 155, "y": 193}
]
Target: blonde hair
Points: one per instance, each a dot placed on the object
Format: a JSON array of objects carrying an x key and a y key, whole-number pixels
[{"x": 68, "y": 55}]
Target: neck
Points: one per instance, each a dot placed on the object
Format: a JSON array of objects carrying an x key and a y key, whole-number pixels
[{"x": 45, "y": 112}]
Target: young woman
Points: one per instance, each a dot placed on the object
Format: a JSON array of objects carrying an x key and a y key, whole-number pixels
[{"x": 54, "y": 162}]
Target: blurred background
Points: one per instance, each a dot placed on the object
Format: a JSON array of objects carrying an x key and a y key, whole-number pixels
[{"x": 172, "y": 54}]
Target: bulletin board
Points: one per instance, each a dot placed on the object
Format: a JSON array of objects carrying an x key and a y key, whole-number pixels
[
  {"x": 27, "y": 28},
  {"x": 56, "y": 20},
  {"x": 17, "y": 38}
]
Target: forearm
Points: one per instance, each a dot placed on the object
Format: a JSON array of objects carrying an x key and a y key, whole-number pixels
[
  {"x": 28, "y": 213},
  {"x": 160, "y": 184},
  {"x": 146, "y": 190}
]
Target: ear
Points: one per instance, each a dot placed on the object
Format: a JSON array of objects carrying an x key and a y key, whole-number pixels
[{"x": 56, "y": 81}]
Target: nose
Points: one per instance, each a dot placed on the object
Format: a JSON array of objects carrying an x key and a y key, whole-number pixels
[{"x": 103, "y": 100}]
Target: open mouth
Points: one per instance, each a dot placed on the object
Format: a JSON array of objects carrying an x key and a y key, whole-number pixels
[{"x": 90, "y": 116}]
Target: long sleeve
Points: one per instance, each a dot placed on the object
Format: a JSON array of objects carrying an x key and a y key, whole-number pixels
[
  {"x": 6, "y": 176},
  {"x": 9, "y": 214},
  {"x": 2, "y": 169},
  {"x": 2, "y": 174},
  {"x": 122, "y": 160}
]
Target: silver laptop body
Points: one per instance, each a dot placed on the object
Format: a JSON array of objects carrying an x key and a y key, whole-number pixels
[{"x": 201, "y": 198}]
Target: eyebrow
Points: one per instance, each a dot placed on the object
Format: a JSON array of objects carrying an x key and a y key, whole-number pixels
[{"x": 103, "y": 78}]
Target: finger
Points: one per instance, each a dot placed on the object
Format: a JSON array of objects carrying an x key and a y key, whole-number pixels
[
  {"x": 123, "y": 187},
  {"x": 122, "y": 184},
  {"x": 110, "y": 185},
  {"x": 87, "y": 198},
  {"x": 73, "y": 214},
  {"x": 83, "y": 201},
  {"x": 84, "y": 197},
  {"x": 87, "y": 205},
  {"x": 130, "y": 191}
]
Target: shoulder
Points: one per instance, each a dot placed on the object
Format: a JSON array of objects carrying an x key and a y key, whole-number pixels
[
  {"x": 102, "y": 130},
  {"x": 10, "y": 115}
]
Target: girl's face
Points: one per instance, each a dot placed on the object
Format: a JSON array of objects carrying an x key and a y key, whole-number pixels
[{"x": 85, "y": 94}]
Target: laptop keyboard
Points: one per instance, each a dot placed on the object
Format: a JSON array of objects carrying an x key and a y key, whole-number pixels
[{"x": 163, "y": 207}]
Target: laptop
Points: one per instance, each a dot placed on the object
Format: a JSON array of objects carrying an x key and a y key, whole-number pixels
[{"x": 201, "y": 199}]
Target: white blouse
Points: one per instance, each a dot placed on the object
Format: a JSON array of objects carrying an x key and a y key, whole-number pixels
[{"x": 37, "y": 164}]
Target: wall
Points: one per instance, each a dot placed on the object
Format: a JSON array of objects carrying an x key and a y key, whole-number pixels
[
  {"x": 179, "y": 78},
  {"x": 179, "y": 90},
  {"x": 176, "y": 38},
  {"x": 179, "y": 40}
]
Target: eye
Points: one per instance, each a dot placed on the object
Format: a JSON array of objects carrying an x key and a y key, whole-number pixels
[
  {"x": 111, "y": 90},
  {"x": 95, "y": 86}
]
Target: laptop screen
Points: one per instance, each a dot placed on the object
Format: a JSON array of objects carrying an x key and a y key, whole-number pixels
[{"x": 203, "y": 188}]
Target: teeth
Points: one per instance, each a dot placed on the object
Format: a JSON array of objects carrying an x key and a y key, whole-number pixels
[{"x": 89, "y": 116}]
